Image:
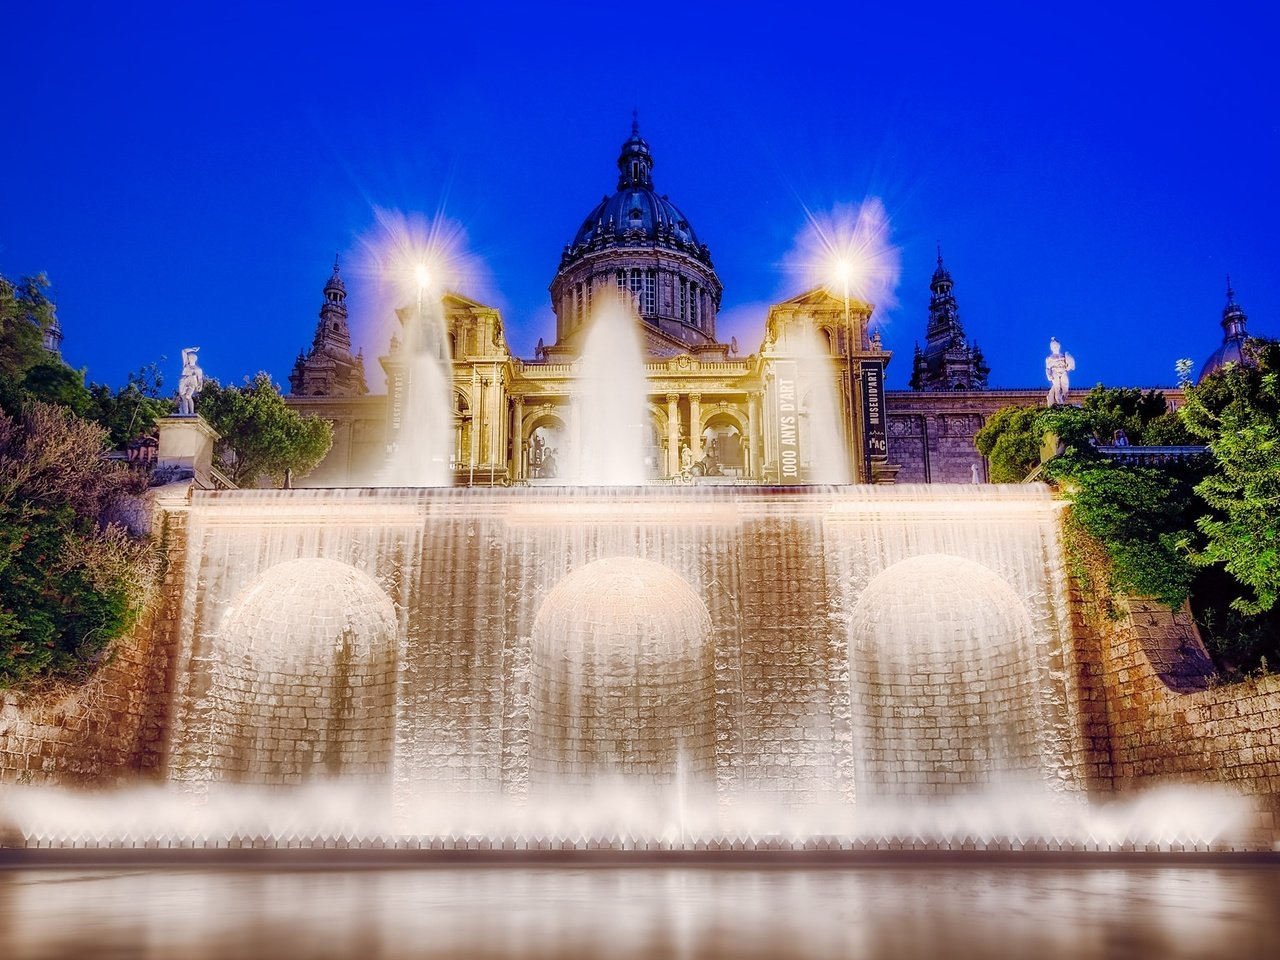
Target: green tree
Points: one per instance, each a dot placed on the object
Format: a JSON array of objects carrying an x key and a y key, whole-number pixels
[
  {"x": 1141, "y": 517},
  {"x": 52, "y": 381},
  {"x": 261, "y": 436},
  {"x": 132, "y": 410},
  {"x": 69, "y": 584},
  {"x": 1236, "y": 411},
  {"x": 25, "y": 313},
  {"x": 1010, "y": 440},
  {"x": 1108, "y": 409}
]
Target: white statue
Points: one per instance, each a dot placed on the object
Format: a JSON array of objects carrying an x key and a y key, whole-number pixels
[
  {"x": 686, "y": 458},
  {"x": 189, "y": 383},
  {"x": 974, "y": 473},
  {"x": 1056, "y": 367}
]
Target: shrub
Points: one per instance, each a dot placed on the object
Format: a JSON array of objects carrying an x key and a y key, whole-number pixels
[{"x": 69, "y": 585}]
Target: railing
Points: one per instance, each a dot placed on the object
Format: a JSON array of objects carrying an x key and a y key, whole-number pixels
[{"x": 1152, "y": 456}]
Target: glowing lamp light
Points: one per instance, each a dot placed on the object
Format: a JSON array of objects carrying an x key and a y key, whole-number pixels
[{"x": 842, "y": 271}]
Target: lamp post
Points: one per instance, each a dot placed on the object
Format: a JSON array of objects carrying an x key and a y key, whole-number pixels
[
  {"x": 841, "y": 269},
  {"x": 422, "y": 276}
]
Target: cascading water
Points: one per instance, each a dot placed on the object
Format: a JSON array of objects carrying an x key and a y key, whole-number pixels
[
  {"x": 421, "y": 427},
  {"x": 609, "y": 402},
  {"x": 631, "y": 667}
]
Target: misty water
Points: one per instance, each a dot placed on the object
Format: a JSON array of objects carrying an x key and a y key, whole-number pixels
[{"x": 627, "y": 913}]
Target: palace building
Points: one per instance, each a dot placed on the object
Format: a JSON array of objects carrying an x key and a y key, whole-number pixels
[{"x": 713, "y": 415}]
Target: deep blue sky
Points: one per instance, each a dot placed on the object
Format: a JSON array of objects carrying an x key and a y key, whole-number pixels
[{"x": 185, "y": 173}]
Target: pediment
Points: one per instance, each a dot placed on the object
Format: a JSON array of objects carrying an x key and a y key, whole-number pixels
[{"x": 822, "y": 298}]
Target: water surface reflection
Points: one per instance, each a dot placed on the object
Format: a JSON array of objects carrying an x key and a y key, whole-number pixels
[{"x": 625, "y": 913}]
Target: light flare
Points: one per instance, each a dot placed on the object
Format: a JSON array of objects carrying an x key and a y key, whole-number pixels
[
  {"x": 848, "y": 251},
  {"x": 406, "y": 253}
]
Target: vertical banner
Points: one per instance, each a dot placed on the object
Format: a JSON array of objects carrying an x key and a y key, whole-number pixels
[
  {"x": 787, "y": 399},
  {"x": 397, "y": 389},
  {"x": 875, "y": 435}
]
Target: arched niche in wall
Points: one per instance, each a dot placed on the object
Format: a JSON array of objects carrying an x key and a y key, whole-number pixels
[
  {"x": 622, "y": 681},
  {"x": 946, "y": 688},
  {"x": 303, "y": 678}
]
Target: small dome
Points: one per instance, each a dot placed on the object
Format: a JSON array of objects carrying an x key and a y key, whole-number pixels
[{"x": 1234, "y": 338}]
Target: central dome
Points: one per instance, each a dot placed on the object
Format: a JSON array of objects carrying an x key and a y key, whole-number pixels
[
  {"x": 636, "y": 213},
  {"x": 639, "y": 242}
]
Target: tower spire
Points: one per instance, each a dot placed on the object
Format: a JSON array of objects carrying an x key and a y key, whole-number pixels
[
  {"x": 1233, "y": 316},
  {"x": 948, "y": 361},
  {"x": 329, "y": 369},
  {"x": 635, "y": 164}
]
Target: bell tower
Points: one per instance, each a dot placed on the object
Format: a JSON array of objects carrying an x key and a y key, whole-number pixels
[{"x": 329, "y": 369}]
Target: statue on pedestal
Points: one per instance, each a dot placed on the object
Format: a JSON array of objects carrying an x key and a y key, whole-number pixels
[
  {"x": 190, "y": 382},
  {"x": 1056, "y": 367}
]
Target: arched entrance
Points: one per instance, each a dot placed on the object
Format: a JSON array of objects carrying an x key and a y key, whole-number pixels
[
  {"x": 723, "y": 447},
  {"x": 547, "y": 448}
]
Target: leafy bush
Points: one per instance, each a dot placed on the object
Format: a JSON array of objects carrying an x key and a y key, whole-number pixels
[
  {"x": 1010, "y": 440},
  {"x": 1140, "y": 516},
  {"x": 68, "y": 584}
]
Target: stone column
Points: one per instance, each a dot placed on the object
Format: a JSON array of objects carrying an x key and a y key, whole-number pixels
[
  {"x": 517, "y": 440},
  {"x": 575, "y": 438},
  {"x": 497, "y": 436},
  {"x": 477, "y": 420},
  {"x": 695, "y": 431},
  {"x": 753, "y": 436},
  {"x": 673, "y": 434}
]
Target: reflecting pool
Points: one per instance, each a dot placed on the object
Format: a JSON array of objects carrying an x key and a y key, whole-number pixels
[{"x": 624, "y": 913}]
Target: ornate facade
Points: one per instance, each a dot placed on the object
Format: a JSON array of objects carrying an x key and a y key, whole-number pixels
[
  {"x": 713, "y": 416},
  {"x": 517, "y": 420}
]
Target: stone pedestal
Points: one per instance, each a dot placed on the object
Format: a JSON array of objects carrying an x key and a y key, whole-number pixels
[{"x": 186, "y": 443}]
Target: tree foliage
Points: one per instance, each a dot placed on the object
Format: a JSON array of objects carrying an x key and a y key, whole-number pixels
[
  {"x": 1140, "y": 516},
  {"x": 25, "y": 313},
  {"x": 132, "y": 410},
  {"x": 52, "y": 381},
  {"x": 1236, "y": 411},
  {"x": 68, "y": 584},
  {"x": 261, "y": 435},
  {"x": 1010, "y": 440}
]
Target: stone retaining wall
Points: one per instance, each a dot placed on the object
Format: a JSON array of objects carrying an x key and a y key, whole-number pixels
[
  {"x": 113, "y": 728},
  {"x": 1152, "y": 713}
]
